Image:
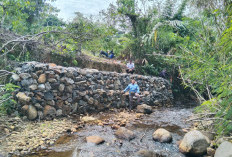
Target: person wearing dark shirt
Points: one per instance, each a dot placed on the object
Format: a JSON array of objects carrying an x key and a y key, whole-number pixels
[
  {"x": 103, "y": 53},
  {"x": 163, "y": 74}
]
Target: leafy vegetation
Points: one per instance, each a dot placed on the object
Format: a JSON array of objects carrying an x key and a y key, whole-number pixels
[{"x": 7, "y": 103}]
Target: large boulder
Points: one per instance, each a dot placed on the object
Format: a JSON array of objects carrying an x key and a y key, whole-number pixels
[
  {"x": 124, "y": 133},
  {"x": 194, "y": 143},
  {"x": 224, "y": 150},
  {"x": 162, "y": 135},
  {"x": 95, "y": 139},
  {"x": 144, "y": 109},
  {"x": 32, "y": 113}
]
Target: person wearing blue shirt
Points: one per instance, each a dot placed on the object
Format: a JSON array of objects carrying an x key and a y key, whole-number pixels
[
  {"x": 111, "y": 54},
  {"x": 133, "y": 89}
]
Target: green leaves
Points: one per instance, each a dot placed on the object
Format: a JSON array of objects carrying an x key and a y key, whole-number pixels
[
  {"x": 20, "y": 16},
  {"x": 7, "y": 103}
]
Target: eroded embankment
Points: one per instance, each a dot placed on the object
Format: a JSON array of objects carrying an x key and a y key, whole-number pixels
[{"x": 47, "y": 91}]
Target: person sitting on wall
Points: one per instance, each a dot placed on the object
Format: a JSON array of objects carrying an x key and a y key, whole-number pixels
[
  {"x": 133, "y": 89},
  {"x": 103, "y": 54},
  {"x": 130, "y": 67},
  {"x": 165, "y": 75}
]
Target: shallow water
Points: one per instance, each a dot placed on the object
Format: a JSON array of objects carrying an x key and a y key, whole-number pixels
[{"x": 75, "y": 145}]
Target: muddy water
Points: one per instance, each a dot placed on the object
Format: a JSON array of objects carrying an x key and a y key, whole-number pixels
[{"x": 75, "y": 145}]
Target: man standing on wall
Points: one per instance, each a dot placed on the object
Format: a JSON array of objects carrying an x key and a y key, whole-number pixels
[
  {"x": 133, "y": 89},
  {"x": 130, "y": 67}
]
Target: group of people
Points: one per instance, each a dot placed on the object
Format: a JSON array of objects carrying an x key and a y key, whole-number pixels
[{"x": 107, "y": 54}]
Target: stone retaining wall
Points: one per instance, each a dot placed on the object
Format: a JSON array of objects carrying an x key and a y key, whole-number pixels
[{"x": 48, "y": 90}]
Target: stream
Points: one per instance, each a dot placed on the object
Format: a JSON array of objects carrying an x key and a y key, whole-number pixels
[{"x": 171, "y": 119}]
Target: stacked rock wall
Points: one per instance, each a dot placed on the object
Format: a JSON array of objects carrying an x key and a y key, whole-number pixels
[{"x": 48, "y": 90}]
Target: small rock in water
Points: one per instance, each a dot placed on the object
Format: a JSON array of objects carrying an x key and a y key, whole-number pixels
[
  {"x": 194, "y": 143},
  {"x": 224, "y": 150},
  {"x": 95, "y": 139},
  {"x": 124, "y": 133},
  {"x": 162, "y": 136},
  {"x": 144, "y": 109}
]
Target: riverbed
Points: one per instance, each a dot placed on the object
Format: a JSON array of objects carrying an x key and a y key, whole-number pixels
[{"x": 75, "y": 145}]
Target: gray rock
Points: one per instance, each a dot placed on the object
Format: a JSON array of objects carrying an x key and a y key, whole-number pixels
[
  {"x": 38, "y": 106},
  {"x": 194, "y": 143},
  {"x": 124, "y": 133},
  {"x": 41, "y": 87},
  {"x": 146, "y": 153},
  {"x": 51, "y": 103},
  {"x": 34, "y": 76},
  {"x": 59, "y": 113},
  {"x": 33, "y": 87},
  {"x": 49, "y": 111},
  {"x": 32, "y": 112},
  {"x": 61, "y": 87},
  {"x": 224, "y": 150},
  {"x": 144, "y": 108},
  {"x": 69, "y": 89},
  {"x": 52, "y": 80},
  {"x": 24, "y": 76},
  {"x": 48, "y": 96},
  {"x": 95, "y": 139},
  {"x": 162, "y": 136},
  {"x": 67, "y": 80},
  {"x": 40, "y": 115},
  {"x": 91, "y": 101},
  {"x": 48, "y": 86},
  {"x": 15, "y": 77},
  {"x": 74, "y": 107},
  {"x": 27, "y": 82}
]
